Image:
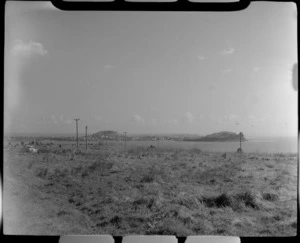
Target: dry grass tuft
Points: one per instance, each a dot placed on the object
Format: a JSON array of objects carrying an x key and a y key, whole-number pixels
[
  {"x": 170, "y": 226},
  {"x": 41, "y": 172},
  {"x": 148, "y": 178},
  {"x": 195, "y": 151},
  {"x": 222, "y": 200},
  {"x": 270, "y": 197},
  {"x": 248, "y": 198}
]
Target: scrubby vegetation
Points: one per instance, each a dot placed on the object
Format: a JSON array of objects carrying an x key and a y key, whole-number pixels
[{"x": 145, "y": 191}]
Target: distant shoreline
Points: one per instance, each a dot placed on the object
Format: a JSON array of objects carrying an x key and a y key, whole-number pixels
[{"x": 249, "y": 138}]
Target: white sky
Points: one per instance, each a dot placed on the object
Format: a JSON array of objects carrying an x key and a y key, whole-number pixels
[{"x": 151, "y": 72}]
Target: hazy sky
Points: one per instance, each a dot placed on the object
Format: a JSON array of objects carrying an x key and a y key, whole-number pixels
[{"x": 151, "y": 71}]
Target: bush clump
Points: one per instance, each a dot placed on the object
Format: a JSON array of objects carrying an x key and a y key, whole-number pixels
[
  {"x": 147, "y": 178},
  {"x": 60, "y": 173},
  {"x": 170, "y": 226},
  {"x": 43, "y": 150},
  {"x": 85, "y": 173},
  {"x": 116, "y": 220},
  {"x": 29, "y": 166},
  {"x": 148, "y": 202},
  {"x": 190, "y": 202},
  {"x": 93, "y": 166},
  {"x": 195, "y": 151},
  {"x": 248, "y": 199},
  {"x": 222, "y": 200},
  {"x": 76, "y": 170},
  {"x": 150, "y": 175},
  {"x": 270, "y": 197},
  {"x": 41, "y": 172}
]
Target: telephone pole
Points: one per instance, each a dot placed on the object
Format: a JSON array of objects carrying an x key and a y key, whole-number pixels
[
  {"x": 77, "y": 119},
  {"x": 125, "y": 142},
  {"x": 158, "y": 145},
  {"x": 241, "y": 141},
  {"x": 86, "y": 138}
]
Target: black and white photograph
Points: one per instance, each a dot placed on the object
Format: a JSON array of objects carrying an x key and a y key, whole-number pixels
[{"x": 150, "y": 122}]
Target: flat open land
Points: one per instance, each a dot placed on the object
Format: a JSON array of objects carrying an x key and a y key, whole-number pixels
[{"x": 182, "y": 192}]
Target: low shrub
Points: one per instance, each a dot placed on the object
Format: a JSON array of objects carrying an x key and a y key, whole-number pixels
[
  {"x": 41, "y": 172},
  {"x": 148, "y": 202},
  {"x": 29, "y": 166},
  {"x": 64, "y": 172},
  {"x": 223, "y": 200},
  {"x": 195, "y": 151},
  {"x": 116, "y": 220},
  {"x": 248, "y": 199},
  {"x": 185, "y": 216},
  {"x": 84, "y": 173},
  {"x": 78, "y": 152},
  {"x": 102, "y": 165},
  {"x": 140, "y": 201},
  {"x": 152, "y": 174},
  {"x": 170, "y": 226},
  {"x": 190, "y": 202},
  {"x": 61, "y": 213},
  {"x": 43, "y": 150},
  {"x": 76, "y": 170},
  {"x": 131, "y": 151},
  {"x": 148, "y": 178},
  {"x": 270, "y": 197},
  {"x": 93, "y": 166},
  {"x": 60, "y": 173},
  {"x": 294, "y": 224}
]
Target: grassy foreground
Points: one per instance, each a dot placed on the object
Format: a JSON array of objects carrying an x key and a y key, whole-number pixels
[{"x": 176, "y": 192}]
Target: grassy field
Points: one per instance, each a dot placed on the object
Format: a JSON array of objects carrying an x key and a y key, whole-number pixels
[{"x": 175, "y": 192}]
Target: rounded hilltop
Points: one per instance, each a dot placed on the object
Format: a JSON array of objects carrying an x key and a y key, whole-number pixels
[
  {"x": 219, "y": 137},
  {"x": 107, "y": 134}
]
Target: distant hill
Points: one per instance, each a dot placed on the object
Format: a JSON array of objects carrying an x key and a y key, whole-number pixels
[
  {"x": 107, "y": 133},
  {"x": 218, "y": 137}
]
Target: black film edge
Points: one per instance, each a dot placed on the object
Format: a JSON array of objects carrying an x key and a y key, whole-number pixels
[{"x": 179, "y": 5}]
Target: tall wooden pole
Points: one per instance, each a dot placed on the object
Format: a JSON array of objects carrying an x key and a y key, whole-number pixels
[
  {"x": 158, "y": 145},
  {"x": 125, "y": 142},
  {"x": 241, "y": 141},
  {"x": 86, "y": 138},
  {"x": 77, "y": 119}
]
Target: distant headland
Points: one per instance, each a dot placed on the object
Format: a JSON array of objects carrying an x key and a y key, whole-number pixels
[{"x": 223, "y": 136}]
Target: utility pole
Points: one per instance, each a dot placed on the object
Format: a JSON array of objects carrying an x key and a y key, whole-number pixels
[
  {"x": 125, "y": 142},
  {"x": 241, "y": 141},
  {"x": 77, "y": 119},
  {"x": 86, "y": 138},
  {"x": 158, "y": 145}
]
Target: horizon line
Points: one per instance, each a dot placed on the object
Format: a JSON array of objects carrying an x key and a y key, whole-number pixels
[{"x": 45, "y": 134}]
